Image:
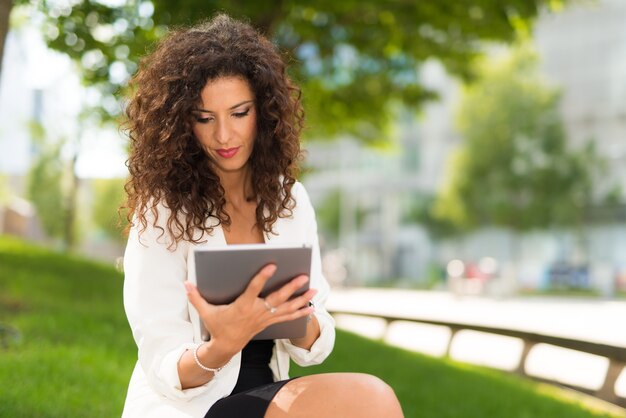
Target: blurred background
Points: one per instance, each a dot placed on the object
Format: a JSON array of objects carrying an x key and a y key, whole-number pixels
[
  {"x": 457, "y": 149},
  {"x": 471, "y": 146}
]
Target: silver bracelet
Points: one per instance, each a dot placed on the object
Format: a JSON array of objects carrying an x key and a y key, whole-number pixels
[{"x": 202, "y": 366}]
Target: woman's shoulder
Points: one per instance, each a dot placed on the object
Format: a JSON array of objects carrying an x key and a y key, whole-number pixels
[
  {"x": 297, "y": 188},
  {"x": 300, "y": 195}
]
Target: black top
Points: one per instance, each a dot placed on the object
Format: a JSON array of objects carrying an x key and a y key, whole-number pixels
[
  {"x": 255, "y": 387},
  {"x": 255, "y": 370}
]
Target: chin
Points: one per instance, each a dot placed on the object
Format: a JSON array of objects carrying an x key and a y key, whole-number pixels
[{"x": 231, "y": 168}]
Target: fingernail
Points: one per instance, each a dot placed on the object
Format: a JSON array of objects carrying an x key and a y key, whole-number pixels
[
  {"x": 271, "y": 269},
  {"x": 303, "y": 279}
]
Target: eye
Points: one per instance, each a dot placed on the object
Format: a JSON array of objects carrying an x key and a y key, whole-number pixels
[
  {"x": 202, "y": 120},
  {"x": 242, "y": 114}
]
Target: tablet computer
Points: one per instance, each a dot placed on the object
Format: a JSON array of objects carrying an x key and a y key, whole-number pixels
[{"x": 223, "y": 273}]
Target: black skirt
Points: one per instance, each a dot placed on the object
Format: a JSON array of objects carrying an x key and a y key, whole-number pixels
[{"x": 255, "y": 386}]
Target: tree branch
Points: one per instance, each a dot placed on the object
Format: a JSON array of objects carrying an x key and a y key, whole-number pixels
[{"x": 5, "y": 13}]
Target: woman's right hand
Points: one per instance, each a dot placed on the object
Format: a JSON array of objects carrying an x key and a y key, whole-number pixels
[{"x": 233, "y": 325}]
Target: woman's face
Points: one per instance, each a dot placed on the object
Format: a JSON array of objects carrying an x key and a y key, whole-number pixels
[{"x": 225, "y": 122}]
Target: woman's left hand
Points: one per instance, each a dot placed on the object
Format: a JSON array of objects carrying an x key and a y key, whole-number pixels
[{"x": 232, "y": 326}]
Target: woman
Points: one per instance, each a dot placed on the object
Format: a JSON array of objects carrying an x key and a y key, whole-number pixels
[{"x": 214, "y": 124}]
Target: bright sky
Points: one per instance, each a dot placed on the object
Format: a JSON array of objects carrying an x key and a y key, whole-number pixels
[{"x": 29, "y": 66}]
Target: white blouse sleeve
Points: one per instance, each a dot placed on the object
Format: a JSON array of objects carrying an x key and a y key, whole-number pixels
[
  {"x": 157, "y": 308},
  {"x": 324, "y": 344}
]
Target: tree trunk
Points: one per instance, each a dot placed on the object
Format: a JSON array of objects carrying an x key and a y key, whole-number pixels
[
  {"x": 69, "y": 229},
  {"x": 70, "y": 235},
  {"x": 5, "y": 12}
]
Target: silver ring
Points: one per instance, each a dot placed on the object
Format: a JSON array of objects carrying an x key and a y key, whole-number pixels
[{"x": 269, "y": 307}]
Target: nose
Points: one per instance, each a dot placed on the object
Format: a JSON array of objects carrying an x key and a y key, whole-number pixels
[{"x": 222, "y": 132}]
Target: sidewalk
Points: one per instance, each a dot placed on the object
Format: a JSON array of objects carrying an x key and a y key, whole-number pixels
[{"x": 596, "y": 320}]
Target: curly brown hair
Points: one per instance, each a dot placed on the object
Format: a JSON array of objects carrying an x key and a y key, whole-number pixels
[{"x": 168, "y": 165}]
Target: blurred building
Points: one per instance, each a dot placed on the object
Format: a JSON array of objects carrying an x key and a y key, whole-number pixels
[
  {"x": 379, "y": 187},
  {"x": 583, "y": 50}
]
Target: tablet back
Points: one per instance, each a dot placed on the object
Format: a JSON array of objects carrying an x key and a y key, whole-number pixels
[{"x": 223, "y": 273}]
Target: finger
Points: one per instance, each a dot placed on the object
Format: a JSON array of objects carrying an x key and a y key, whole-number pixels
[
  {"x": 196, "y": 298},
  {"x": 298, "y": 302},
  {"x": 284, "y": 293},
  {"x": 307, "y": 310},
  {"x": 258, "y": 281}
]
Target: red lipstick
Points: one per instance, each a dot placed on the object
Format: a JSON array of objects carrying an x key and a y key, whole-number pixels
[{"x": 227, "y": 152}]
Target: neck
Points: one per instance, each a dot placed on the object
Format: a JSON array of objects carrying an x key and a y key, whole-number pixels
[{"x": 237, "y": 186}]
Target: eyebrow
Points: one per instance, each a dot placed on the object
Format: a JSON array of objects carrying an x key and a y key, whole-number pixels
[{"x": 230, "y": 108}]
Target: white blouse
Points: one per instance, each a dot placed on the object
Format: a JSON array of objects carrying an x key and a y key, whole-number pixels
[{"x": 164, "y": 324}]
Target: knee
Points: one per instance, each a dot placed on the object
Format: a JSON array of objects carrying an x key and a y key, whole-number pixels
[
  {"x": 346, "y": 394},
  {"x": 374, "y": 385},
  {"x": 375, "y": 389}
]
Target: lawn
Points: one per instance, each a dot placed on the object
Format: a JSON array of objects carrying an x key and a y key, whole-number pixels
[{"x": 75, "y": 353}]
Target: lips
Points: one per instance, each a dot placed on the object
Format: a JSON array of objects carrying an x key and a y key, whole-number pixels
[{"x": 227, "y": 152}]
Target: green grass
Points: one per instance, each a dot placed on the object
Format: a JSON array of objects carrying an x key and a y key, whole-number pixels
[
  {"x": 76, "y": 353},
  {"x": 431, "y": 387}
]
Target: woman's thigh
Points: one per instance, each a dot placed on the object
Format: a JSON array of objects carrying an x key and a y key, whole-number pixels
[{"x": 335, "y": 395}]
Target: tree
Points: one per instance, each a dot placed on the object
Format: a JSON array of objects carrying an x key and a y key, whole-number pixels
[
  {"x": 356, "y": 60},
  {"x": 514, "y": 168},
  {"x": 329, "y": 214},
  {"x": 6, "y": 6},
  {"x": 52, "y": 186},
  {"x": 420, "y": 211},
  {"x": 5, "y": 12},
  {"x": 108, "y": 197},
  {"x": 46, "y": 192}
]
